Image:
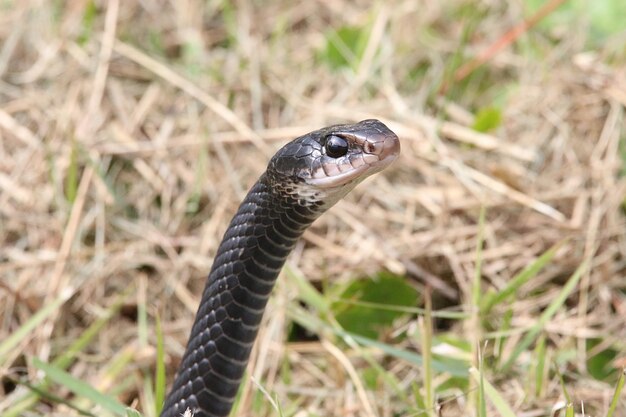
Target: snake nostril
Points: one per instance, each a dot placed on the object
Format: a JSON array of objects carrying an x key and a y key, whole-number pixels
[{"x": 369, "y": 147}]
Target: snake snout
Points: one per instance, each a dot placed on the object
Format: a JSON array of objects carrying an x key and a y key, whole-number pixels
[
  {"x": 381, "y": 148},
  {"x": 383, "y": 144}
]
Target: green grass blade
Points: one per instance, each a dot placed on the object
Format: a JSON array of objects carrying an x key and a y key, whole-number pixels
[
  {"x": 39, "y": 392},
  {"x": 568, "y": 399},
  {"x": 419, "y": 398},
  {"x": 507, "y": 317},
  {"x": 540, "y": 358},
  {"x": 454, "y": 367},
  {"x": 306, "y": 291},
  {"x": 520, "y": 279},
  {"x": 130, "y": 412},
  {"x": 67, "y": 357},
  {"x": 279, "y": 408},
  {"x": 312, "y": 297},
  {"x": 27, "y": 328},
  {"x": 554, "y": 306},
  {"x": 71, "y": 178},
  {"x": 617, "y": 394},
  {"x": 494, "y": 396},
  {"x": 142, "y": 316},
  {"x": 159, "y": 388},
  {"x": 440, "y": 314},
  {"x": 79, "y": 387},
  {"x": 476, "y": 334},
  {"x": 427, "y": 333},
  {"x": 148, "y": 403},
  {"x": 482, "y": 404},
  {"x": 117, "y": 366},
  {"x": 476, "y": 287}
]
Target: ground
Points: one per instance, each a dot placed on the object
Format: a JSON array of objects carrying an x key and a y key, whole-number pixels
[{"x": 130, "y": 131}]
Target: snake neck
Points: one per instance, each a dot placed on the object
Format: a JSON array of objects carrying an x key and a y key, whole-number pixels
[{"x": 254, "y": 248}]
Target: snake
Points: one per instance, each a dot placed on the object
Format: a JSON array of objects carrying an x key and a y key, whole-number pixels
[{"x": 303, "y": 179}]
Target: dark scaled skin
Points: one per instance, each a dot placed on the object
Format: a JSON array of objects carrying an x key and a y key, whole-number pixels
[{"x": 281, "y": 205}]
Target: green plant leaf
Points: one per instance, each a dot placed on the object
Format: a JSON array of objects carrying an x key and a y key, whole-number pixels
[
  {"x": 368, "y": 321},
  {"x": 487, "y": 119},
  {"x": 600, "y": 365}
]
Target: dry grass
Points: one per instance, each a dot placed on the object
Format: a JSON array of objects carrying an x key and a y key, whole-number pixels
[{"x": 128, "y": 137}]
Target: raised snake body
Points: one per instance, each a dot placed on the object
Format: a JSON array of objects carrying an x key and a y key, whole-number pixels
[{"x": 303, "y": 179}]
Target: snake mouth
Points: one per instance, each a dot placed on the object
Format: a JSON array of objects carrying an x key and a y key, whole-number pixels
[{"x": 355, "y": 173}]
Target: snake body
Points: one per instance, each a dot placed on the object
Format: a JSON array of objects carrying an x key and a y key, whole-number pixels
[{"x": 303, "y": 179}]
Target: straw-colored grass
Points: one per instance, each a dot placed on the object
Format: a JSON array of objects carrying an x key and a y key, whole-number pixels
[{"x": 130, "y": 130}]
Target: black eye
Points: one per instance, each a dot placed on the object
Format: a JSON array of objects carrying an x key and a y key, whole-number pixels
[{"x": 336, "y": 146}]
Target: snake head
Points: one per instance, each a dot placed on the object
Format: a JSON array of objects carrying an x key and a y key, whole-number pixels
[{"x": 325, "y": 164}]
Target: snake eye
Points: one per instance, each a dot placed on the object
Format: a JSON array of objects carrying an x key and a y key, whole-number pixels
[{"x": 336, "y": 146}]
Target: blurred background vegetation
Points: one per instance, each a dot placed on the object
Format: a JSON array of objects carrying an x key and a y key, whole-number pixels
[{"x": 482, "y": 274}]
